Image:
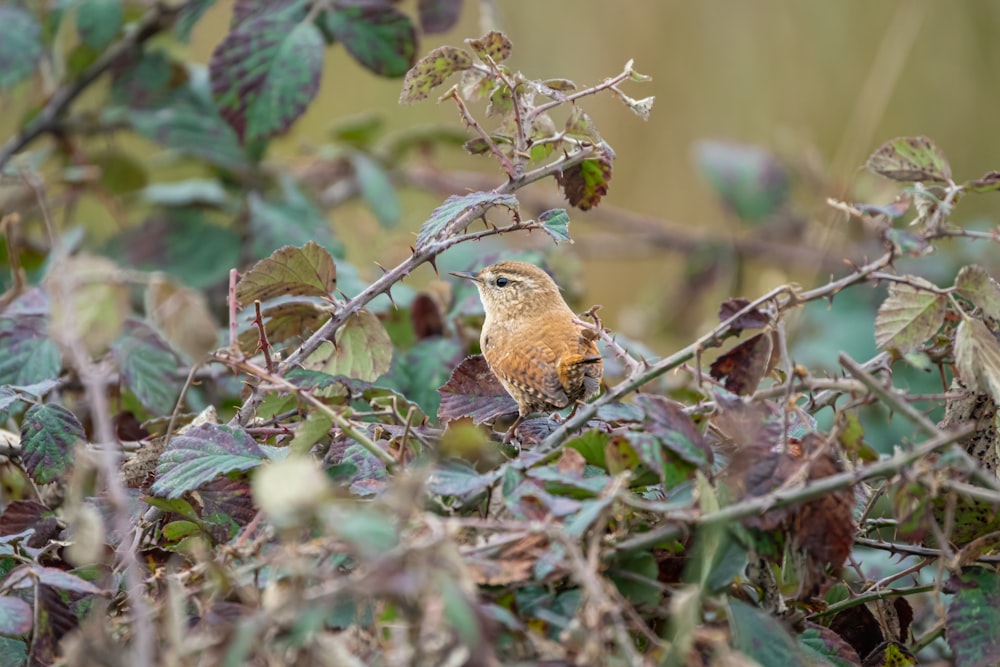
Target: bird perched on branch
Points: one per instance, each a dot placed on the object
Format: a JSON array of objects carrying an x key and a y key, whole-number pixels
[{"x": 532, "y": 343}]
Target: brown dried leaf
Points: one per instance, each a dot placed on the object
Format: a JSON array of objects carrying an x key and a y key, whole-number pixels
[
  {"x": 586, "y": 183},
  {"x": 181, "y": 315},
  {"x": 493, "y": 45},
  {"x": 744, "y": 366},
  {"x": 755, "y": 319}
]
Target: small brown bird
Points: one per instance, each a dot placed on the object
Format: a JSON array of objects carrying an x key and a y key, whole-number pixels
[{"x": 544, "y": 359}]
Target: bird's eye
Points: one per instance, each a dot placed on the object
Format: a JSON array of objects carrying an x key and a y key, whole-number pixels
[{"x": 502, "y": 282}]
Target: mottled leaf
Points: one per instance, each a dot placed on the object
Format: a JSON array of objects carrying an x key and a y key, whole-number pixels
[
  {"x": 555, "y": 222},
  {"x": 979, "y": 287},
  {"x": 586, "y": 183},
  {"x": 493, "y": 45},
  {"x": 457, "y": 205},
  {"x": 21, "y": 45},
  {"x": 977, "y": 357},
  {"x": 202, "y": 454},
  {"x": 148, "y": 367},
  {"x": 98, "y": 21},
  {"x": 973, "y": 620},
  {"x": 744, "y": 366},
  {"x": 989, "y": 182},
  {"x": 438, "y": 15},
  {"x": 48, "y": 434},
  {"x": 914, "y": 159},
  {"x": 266, "y": 72},
  {"x": 362, "y": 349},
  {"x": 748, "y": 180},
  {"x": 474, "y": 391},
  {"x": 908, "y": 317},
  {"x": 379, "y": 37},
  {"x": 431, "y": 71},
  {"x": 762, "y": 637},
  {"x": 289, "y": 271},
  {"x": 823, "y": 643}
]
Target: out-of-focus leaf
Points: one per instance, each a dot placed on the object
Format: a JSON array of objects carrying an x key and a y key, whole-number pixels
[
  {"x": 266, "y": 72},
  {"x": 288, "y": 219},
  {"x": 912, "y": 159},
  {"x": 456, "y": 205},
  {"x": 460, "y": 479},
  {"x": 431, "y": 71},
  {"x": 120, "y": 173},
  {"x": 493, "y": 45},
  {"x": 25, "y": 576},
  {"x": 377, "y": 190},
  {"x": 555, "y": 222},
  {"x": 907, "y": 243},
  {"x": 21, "y": 45},
  {"x": 380, "y": 37},
  {"x": 438, "y": 15},
  {"x": 586, "y": 183},
  {"x": 202, "y": 454},
  {"x": 291, "y": 491},
  {"x": 180, "y": 242},
  {"x": 148, "y": 367},
  {"x": 149, "y": 82},
  {"x": 90, "y": 301},
  {"x": 98, "y": 21},
  {"x": 822, "y": 643},
  {"x": 762, "y": 637},
  {"x": 289, "y": 271},
  {"x": 372, "y": 533},
  {"x": 977, "y": 357},
  {"x": 181, "y": 315},
  {"x": 973, "y": 619},
  {"x": 748, "y": 179},
  {"x": 188, "y": 17},
  {"x": 48, "y": 434},
  {"x": 989, "y": 182},
  {"x": 16, "y": 616},
  {"x": 908, "y": 317},
  {"x": 474, "y": 391},
  {"x": 979, "y": 287},
  {"x": 418, "y": 372},
  {"x": 189, "y": 192},
  {"x": 27, "y": 355},
  {"x": 362, "y": 350}
]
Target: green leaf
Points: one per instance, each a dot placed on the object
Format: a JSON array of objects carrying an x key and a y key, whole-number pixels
[
  {"x": 20, "y": 46},
  {"x": 314, "y": 428},
  {"x": 639, "y": 563},
  {"x": 762, "y": 637},
  {"x": 977, "y": 357},
  {"x": 178, "y": 530},
  {"x": 748, "y": 179},
  {"x": 265, "y": 73},
  {"x": 912, "y": 159},
  {"x": 148, "y": 82},
  {"x": 989, "y": 182},
  {"x": 148, "y": 367},
  {"x": 120, "y": 173},
  {"x": 16, "y": 616},
  {"x": 824, "y": 644},
  {"x": 973, "y": 619},
  {"x": 456, "y": 205},
  {"x": 586, "y": 183},
  {"x": 418, "y": 372},
  {"x": 189, "y": 15},
  {"x": 289, "y": 219},
  {"x": 555, "y": 222},
  {"x": 458, "y": 478},
  {"x": 48, "y": 434},
  {"x": 191, "y": 125},
  {"x": 377, "y": 190},
  {"x": 372, "y": 533},
  {"x": 908, "y": 317},
  {"x": 13, "y": 651},
  {"x": 979, "y": 287},
  {"x": 181, "y": 242},
  {"x": 592, "y": 446},
  {"x": 98, "y": 21},
  {"x": 201, "y": 455},
  {"x": 380, "y": 37},
  {"x": 431, "y": 71},
  {"x": 289, "y": 271},
  {"x": 27, "y": 356},
  {"x": 362, "y": 349}
]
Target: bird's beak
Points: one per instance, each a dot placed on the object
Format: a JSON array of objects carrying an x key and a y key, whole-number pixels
[{"x": 468, "y": 276}]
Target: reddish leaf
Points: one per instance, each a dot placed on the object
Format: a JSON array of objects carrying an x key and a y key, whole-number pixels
[
  {"x": 586, "y": 183},
  {"x": 379, "y": 37},
  {"x": 425, "y": 315},
  {"x": 754, "y": 319},
  {"x": 744, "y": 366},
  {"x": 474, "y": 391},
  {"x": 22, "y": 515},
  {"x": 438, "y": 15}
]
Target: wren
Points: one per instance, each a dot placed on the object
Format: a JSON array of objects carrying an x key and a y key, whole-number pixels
[{"x": 542, "y": 357}]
